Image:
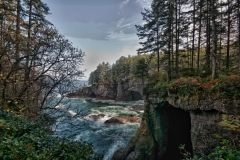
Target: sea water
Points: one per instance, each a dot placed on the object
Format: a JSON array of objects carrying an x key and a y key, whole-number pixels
[{"x": 73, "y": 121}]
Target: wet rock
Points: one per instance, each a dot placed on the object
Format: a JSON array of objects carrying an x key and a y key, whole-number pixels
[
  {"x": 96, "y": 117},
  {"x": 123, "y": 120},
  {"x": 131, "y": 156},
  {"x": 168, "y": 123},
  {"x": 138, "y": 107}
]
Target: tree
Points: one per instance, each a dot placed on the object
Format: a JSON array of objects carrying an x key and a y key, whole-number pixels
[
  {"x": 91, "y": 79},
  {"x": 142, "y": 68},
  {"x": 36, "y": 61}
]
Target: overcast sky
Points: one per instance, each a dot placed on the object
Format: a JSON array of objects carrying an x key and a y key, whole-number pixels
[{"x": 103, "y": 29}]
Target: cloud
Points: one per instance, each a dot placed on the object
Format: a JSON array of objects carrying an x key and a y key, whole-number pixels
[
  {"x": 103, "y": 29},
  {"x": 91, "y": 19},
  {"x": 97, "y": 11},
  {"x": 125, "y": 2},
  {"x": 128, "y": 46},
  {"x": 145, "y": 3}
]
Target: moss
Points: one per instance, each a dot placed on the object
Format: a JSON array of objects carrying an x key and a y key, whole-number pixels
[
  {"x": 225, "y": 88},
  {"x": 140, "y": 132},
  {"x": 217, "y": 136},
  {"x": 231, "y": 122}
]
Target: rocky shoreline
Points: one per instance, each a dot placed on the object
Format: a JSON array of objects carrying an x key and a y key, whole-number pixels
[
  {"x": 123, "y": 91},
  {"x": 117, "y": 119}
]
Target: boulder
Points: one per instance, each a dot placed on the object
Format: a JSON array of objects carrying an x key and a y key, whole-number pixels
[
  {"x": 138, "y": 107},
  {"x": 123, "y": 120},
  {"x": 96, "y": 117}
]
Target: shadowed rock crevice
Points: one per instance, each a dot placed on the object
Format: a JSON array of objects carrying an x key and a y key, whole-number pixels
[
  {"x": 168, "y": 123},
  {"x": 177, "y": 127},
  {"x": 163, "y": 129}
]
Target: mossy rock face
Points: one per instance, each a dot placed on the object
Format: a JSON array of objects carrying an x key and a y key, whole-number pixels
[
  {"x": 142, "y": 131},
  {"x": 231, "y": 122},
  {"x": 209, "y": 128},
  {"x": 143, "y": 141},
  {"x": 144, "y": 147},
  {"x": 200, "y": 124}
]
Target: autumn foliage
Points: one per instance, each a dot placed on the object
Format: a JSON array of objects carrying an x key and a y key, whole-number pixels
[{"x": 224, "y": 87}]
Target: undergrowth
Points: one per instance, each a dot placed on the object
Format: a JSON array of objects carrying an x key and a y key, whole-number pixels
[
  {"x": 23, "y": 140},
  {"x": 224, "y": 88}
]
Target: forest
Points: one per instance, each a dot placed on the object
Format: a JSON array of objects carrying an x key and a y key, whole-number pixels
[
  {"x": 195, "y": 36},
  {"x": 36, "y": 63},
  {"x": 190, "y": 50},
  {"x": 181, "y": 38},
  {"x": 36, "y": 60},
  {"x": 178, "y": 38}
]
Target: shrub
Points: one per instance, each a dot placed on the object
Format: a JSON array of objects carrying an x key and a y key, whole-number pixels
[
  {"x": 225, "y": 151},
  {"x": 21, "y": 139},
  {"x": 195, "y": 88}
]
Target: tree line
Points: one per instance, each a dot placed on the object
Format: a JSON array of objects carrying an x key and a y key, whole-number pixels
[
  {"x": 195, "y": 36},
  {"x": 35, "y": 59},
  {"x": 125, "y": 68}
]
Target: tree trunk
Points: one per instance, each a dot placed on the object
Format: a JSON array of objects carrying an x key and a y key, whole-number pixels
[
  {"x": 199, "y": 35},
  {"x": 17, "y": 54},
  {"x": 214, "y": 52},
  {"x": 169, "y": 27},
  {"x": 238, "y": 9},
  {"x": 228, "y": 37},
  {"x": 193, "y": 34},
  {"x": 208, "y": 45},
  {"x": 177, "y": 35},
  {"x": 158, "y": 54}
]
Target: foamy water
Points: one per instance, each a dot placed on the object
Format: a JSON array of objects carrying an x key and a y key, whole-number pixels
[{"x": 75, "y": 122}]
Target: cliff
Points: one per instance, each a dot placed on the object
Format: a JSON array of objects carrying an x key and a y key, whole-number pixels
[
  {"x": 167, "y": 124},
  {"x": 200, "y": 123},
  {"x": 124, "y": 91}
]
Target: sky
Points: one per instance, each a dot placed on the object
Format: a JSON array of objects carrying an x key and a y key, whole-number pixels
[{"x": 103, "y": 29}]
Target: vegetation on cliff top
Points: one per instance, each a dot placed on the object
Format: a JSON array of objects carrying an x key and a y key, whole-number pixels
[{"x": 196, "y": 88}]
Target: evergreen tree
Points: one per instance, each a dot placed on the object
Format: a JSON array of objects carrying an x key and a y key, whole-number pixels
[{"x": 142, "y": 68}]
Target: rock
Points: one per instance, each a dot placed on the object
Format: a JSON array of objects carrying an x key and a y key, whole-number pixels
[
  {"x": 123, "y": 120},
  {"x": 118, "y": 154},
  {"x": 104, "y": 91},
  {"x": 96, "y": 117},
  {"x": 138, "y": 107},
  {"x": 129, "y": 90},
  {"x": 168, "y": 123},
  {"x": 131, "y": 156}
]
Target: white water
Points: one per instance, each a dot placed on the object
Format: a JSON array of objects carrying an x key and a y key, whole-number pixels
[{"x": 74, "y": 122}]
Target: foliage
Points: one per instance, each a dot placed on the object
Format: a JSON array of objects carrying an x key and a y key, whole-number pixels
[
  {"x": 21, "y": 139},
  {"x": 224, "y": 88},
  {"x": 198, "y": 37},
  {"x": 36, "y": 60},
  {"x": 187, "y": 155},
  {"x": 123, "y": 69},
  {"x": 225, "y": 151},
  {"x": 231, "y": 122},
  {"x": 141, "y": 69}
]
